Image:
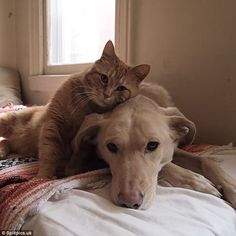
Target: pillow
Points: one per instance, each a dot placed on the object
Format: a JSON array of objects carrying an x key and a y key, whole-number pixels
[{"x": 10, "y": 91}]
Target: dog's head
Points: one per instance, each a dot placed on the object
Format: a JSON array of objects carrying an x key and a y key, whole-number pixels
[{"x": 136, "y": 140}]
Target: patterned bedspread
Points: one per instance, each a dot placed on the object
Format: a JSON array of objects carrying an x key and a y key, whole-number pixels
[{"x": 22, "y": 195}]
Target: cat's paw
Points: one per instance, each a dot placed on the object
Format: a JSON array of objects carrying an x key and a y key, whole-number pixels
[
  {"x": 3, "y": 154},
  {"x": 4, "y": 150}
]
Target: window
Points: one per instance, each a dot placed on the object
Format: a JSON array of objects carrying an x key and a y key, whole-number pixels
[
  {"x": 58, "y": 46},
  {"x": 76, "y": 32}
]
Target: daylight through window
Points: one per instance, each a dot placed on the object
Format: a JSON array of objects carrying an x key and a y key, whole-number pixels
[{"x": 77, "y": 30}]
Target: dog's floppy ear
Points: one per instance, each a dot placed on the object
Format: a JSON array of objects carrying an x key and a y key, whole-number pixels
[
  {"x": 88, "y": 130},
  {"x": 184, "y": 129}
]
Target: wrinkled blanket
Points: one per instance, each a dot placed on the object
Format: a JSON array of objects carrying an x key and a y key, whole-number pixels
[{"x": 22, "y": 195}]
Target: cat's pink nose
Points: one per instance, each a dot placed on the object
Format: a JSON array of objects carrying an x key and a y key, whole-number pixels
[{"x": 131, "y": 199}]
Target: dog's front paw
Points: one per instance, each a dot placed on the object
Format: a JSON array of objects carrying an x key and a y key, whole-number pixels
[
  {"x": 199, "y": 183},
  {"x": 229, "y": 192},
  {"x": 176, "y": 176}
]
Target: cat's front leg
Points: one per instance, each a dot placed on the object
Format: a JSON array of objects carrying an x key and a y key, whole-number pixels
[
  {"x": 4, "y": 148},
  {"x": 51, "y": 149}
]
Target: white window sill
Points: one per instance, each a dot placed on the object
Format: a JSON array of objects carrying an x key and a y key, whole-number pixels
[{"x": 46, "y": 83}]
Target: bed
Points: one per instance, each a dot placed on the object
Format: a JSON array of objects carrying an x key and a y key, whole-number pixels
[
  {"x": 175, "y": 211},
  {"x": 81, "y": 204}
]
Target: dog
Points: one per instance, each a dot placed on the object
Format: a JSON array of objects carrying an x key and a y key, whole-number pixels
[{"x": 139, "y": 141}]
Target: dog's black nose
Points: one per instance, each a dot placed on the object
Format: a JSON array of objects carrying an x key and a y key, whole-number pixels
[{"x": 131, "y": 199}]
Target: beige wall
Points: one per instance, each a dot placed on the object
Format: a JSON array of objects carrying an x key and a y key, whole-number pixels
[
  {"x": 7, "y": 33},
  {"x": 191, "y": 46}
]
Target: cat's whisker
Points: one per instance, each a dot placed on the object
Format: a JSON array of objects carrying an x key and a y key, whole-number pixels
[
  {"x": 80, "y": 102},
  {"x": 78, "y": 94},
  {"x": 83, "y": 102},
  {"x": 77, "y": 99},
  {"x": 87, "y": 93},
  {"x": 88, "y": 96}
]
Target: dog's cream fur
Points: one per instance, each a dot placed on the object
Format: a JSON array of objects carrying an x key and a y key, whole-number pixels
[{"x": 134, "y": 169}]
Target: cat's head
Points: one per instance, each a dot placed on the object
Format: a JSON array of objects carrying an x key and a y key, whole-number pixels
[{"x": 110, "y": 81}]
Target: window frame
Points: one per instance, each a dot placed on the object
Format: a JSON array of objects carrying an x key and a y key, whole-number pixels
[{"x": 38, "y": 37}]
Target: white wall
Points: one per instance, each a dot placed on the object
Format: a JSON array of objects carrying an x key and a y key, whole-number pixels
[
  {"x": 7, "y": 34},
  {"x": 191, "y": 46}
]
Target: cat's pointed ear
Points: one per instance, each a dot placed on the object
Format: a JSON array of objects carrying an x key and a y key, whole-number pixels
[
  {"x": 109, "y": 50},
  {"x": 141, "y": 71}
]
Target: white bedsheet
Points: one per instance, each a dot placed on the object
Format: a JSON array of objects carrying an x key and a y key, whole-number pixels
[{"x": 175, "y": 212}]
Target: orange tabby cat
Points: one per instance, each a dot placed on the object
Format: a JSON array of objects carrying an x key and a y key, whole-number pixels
[{"x": 107, "y": 83}]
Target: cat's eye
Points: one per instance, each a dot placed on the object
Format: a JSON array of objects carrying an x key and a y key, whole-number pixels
[
  {"x": 104, "y": 78},
  {"x": 121, "y": 88},
  {"x": 152, "y": 146},
  {"x": 112, "y": 147}
]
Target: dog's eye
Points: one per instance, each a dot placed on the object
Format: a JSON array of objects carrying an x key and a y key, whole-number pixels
[
  {"x": 121, "y": 88},
  {"x": 104, "y": 78},
  {"x": 152, "y": 145},
  {"x": 112, "y": 147}
]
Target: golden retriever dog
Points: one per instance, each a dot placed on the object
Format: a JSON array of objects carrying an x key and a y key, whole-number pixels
[{"x": 139, "y": 140}]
